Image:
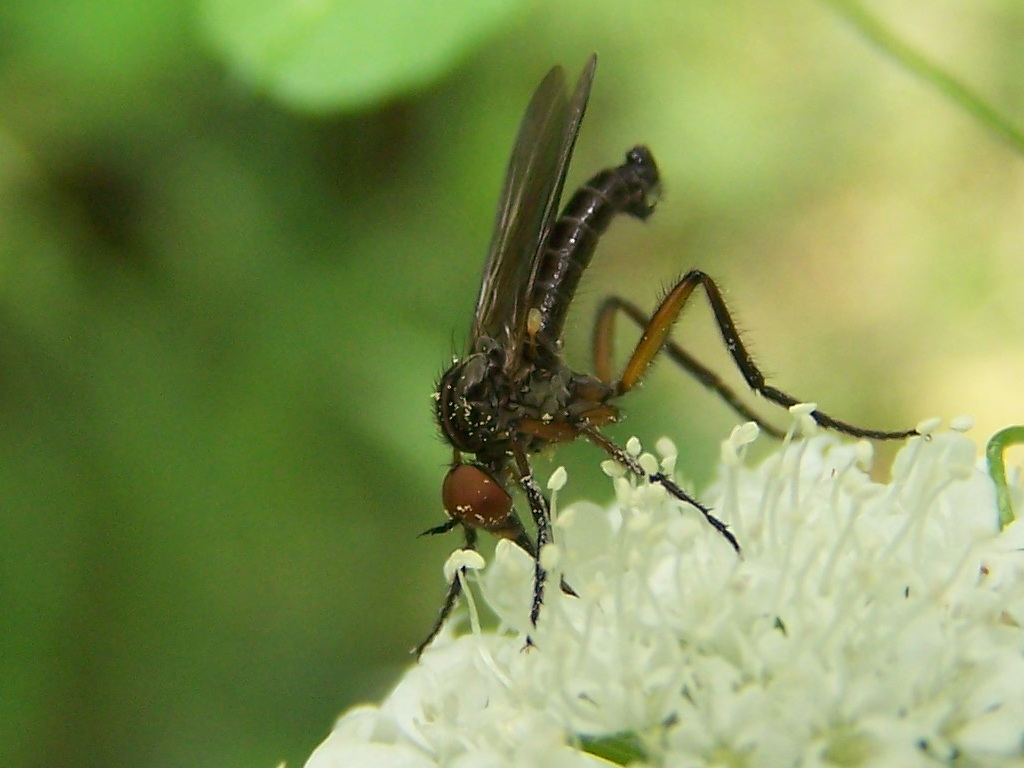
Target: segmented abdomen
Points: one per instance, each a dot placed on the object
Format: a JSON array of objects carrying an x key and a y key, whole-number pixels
[{"x": 629, "y": 188}]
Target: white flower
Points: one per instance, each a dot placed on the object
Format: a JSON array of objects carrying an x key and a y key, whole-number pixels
[{"x": 864, "y": 624}]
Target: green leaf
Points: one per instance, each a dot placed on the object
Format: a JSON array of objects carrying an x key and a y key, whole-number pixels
[
  {"x": 321, "y": 55},
  {"x": 618, "y": 748},
  {"x": 117, "y": 41}
]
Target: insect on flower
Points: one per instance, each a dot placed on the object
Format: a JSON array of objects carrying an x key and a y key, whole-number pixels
[{"x": 512, "y": 394}]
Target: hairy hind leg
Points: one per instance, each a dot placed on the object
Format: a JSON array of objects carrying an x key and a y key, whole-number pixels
[{"x": 656, "y": 330}]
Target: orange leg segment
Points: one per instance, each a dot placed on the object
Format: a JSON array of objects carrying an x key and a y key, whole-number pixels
[{"x": 655, "y": 337}]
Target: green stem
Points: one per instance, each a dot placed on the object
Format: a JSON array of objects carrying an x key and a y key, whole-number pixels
[
  {"x": 955, "y": 90},
  {"x": 994, "y": 451}
]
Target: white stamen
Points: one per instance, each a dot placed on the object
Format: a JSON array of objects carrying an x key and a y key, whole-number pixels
[
  {"x": 865, "y": 452},
  {"x": 550, "y": 557},
  {"x": 733, "y": 447},
  {"x": 612, "y": 468},
  {"x": 649, "y": 463},
  {"x": 666, "y": 447},
  {"x": 802, "y": 409},
  {"x": 803, "y": 420},
  {"x": 962, "y": 423},
  {"x": 558, "y": 479},
  {"x": 469, "y": 559}
]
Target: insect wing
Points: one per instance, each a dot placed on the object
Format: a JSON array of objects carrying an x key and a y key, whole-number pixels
[{"x": 528, "y": 206}]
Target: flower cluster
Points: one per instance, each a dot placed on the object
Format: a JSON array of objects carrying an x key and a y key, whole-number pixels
[{"x": 864, "y": 624}]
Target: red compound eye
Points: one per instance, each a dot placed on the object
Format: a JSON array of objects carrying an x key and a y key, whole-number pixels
[{"x": 473, "y": 497}]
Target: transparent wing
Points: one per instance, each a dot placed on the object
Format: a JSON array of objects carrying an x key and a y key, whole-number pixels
[{"x": 528, "y": 206}]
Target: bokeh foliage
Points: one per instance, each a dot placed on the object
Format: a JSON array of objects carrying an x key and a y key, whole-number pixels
[{"x": 238, "y": 242}]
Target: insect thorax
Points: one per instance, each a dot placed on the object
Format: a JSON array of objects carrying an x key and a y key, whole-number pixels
[
  {"x": 479, "y": 405},
  {"x": 470, "y": 398}
]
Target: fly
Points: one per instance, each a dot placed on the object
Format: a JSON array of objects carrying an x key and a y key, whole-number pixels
[{"x": 512, "y": 393}]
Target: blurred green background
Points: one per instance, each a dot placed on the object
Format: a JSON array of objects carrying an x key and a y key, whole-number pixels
[{"x": 240, "y": 240}]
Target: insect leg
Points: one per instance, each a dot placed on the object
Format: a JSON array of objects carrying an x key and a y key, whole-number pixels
[
  {"x": 604, "y": 330},
  {"x": 445, "y": 527},
  {"x": 542, "y": 518},
  {"x": 660, "y": 325},
  {"x": 617, "y": 453},
  {"x": 454, "y": 590}
]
